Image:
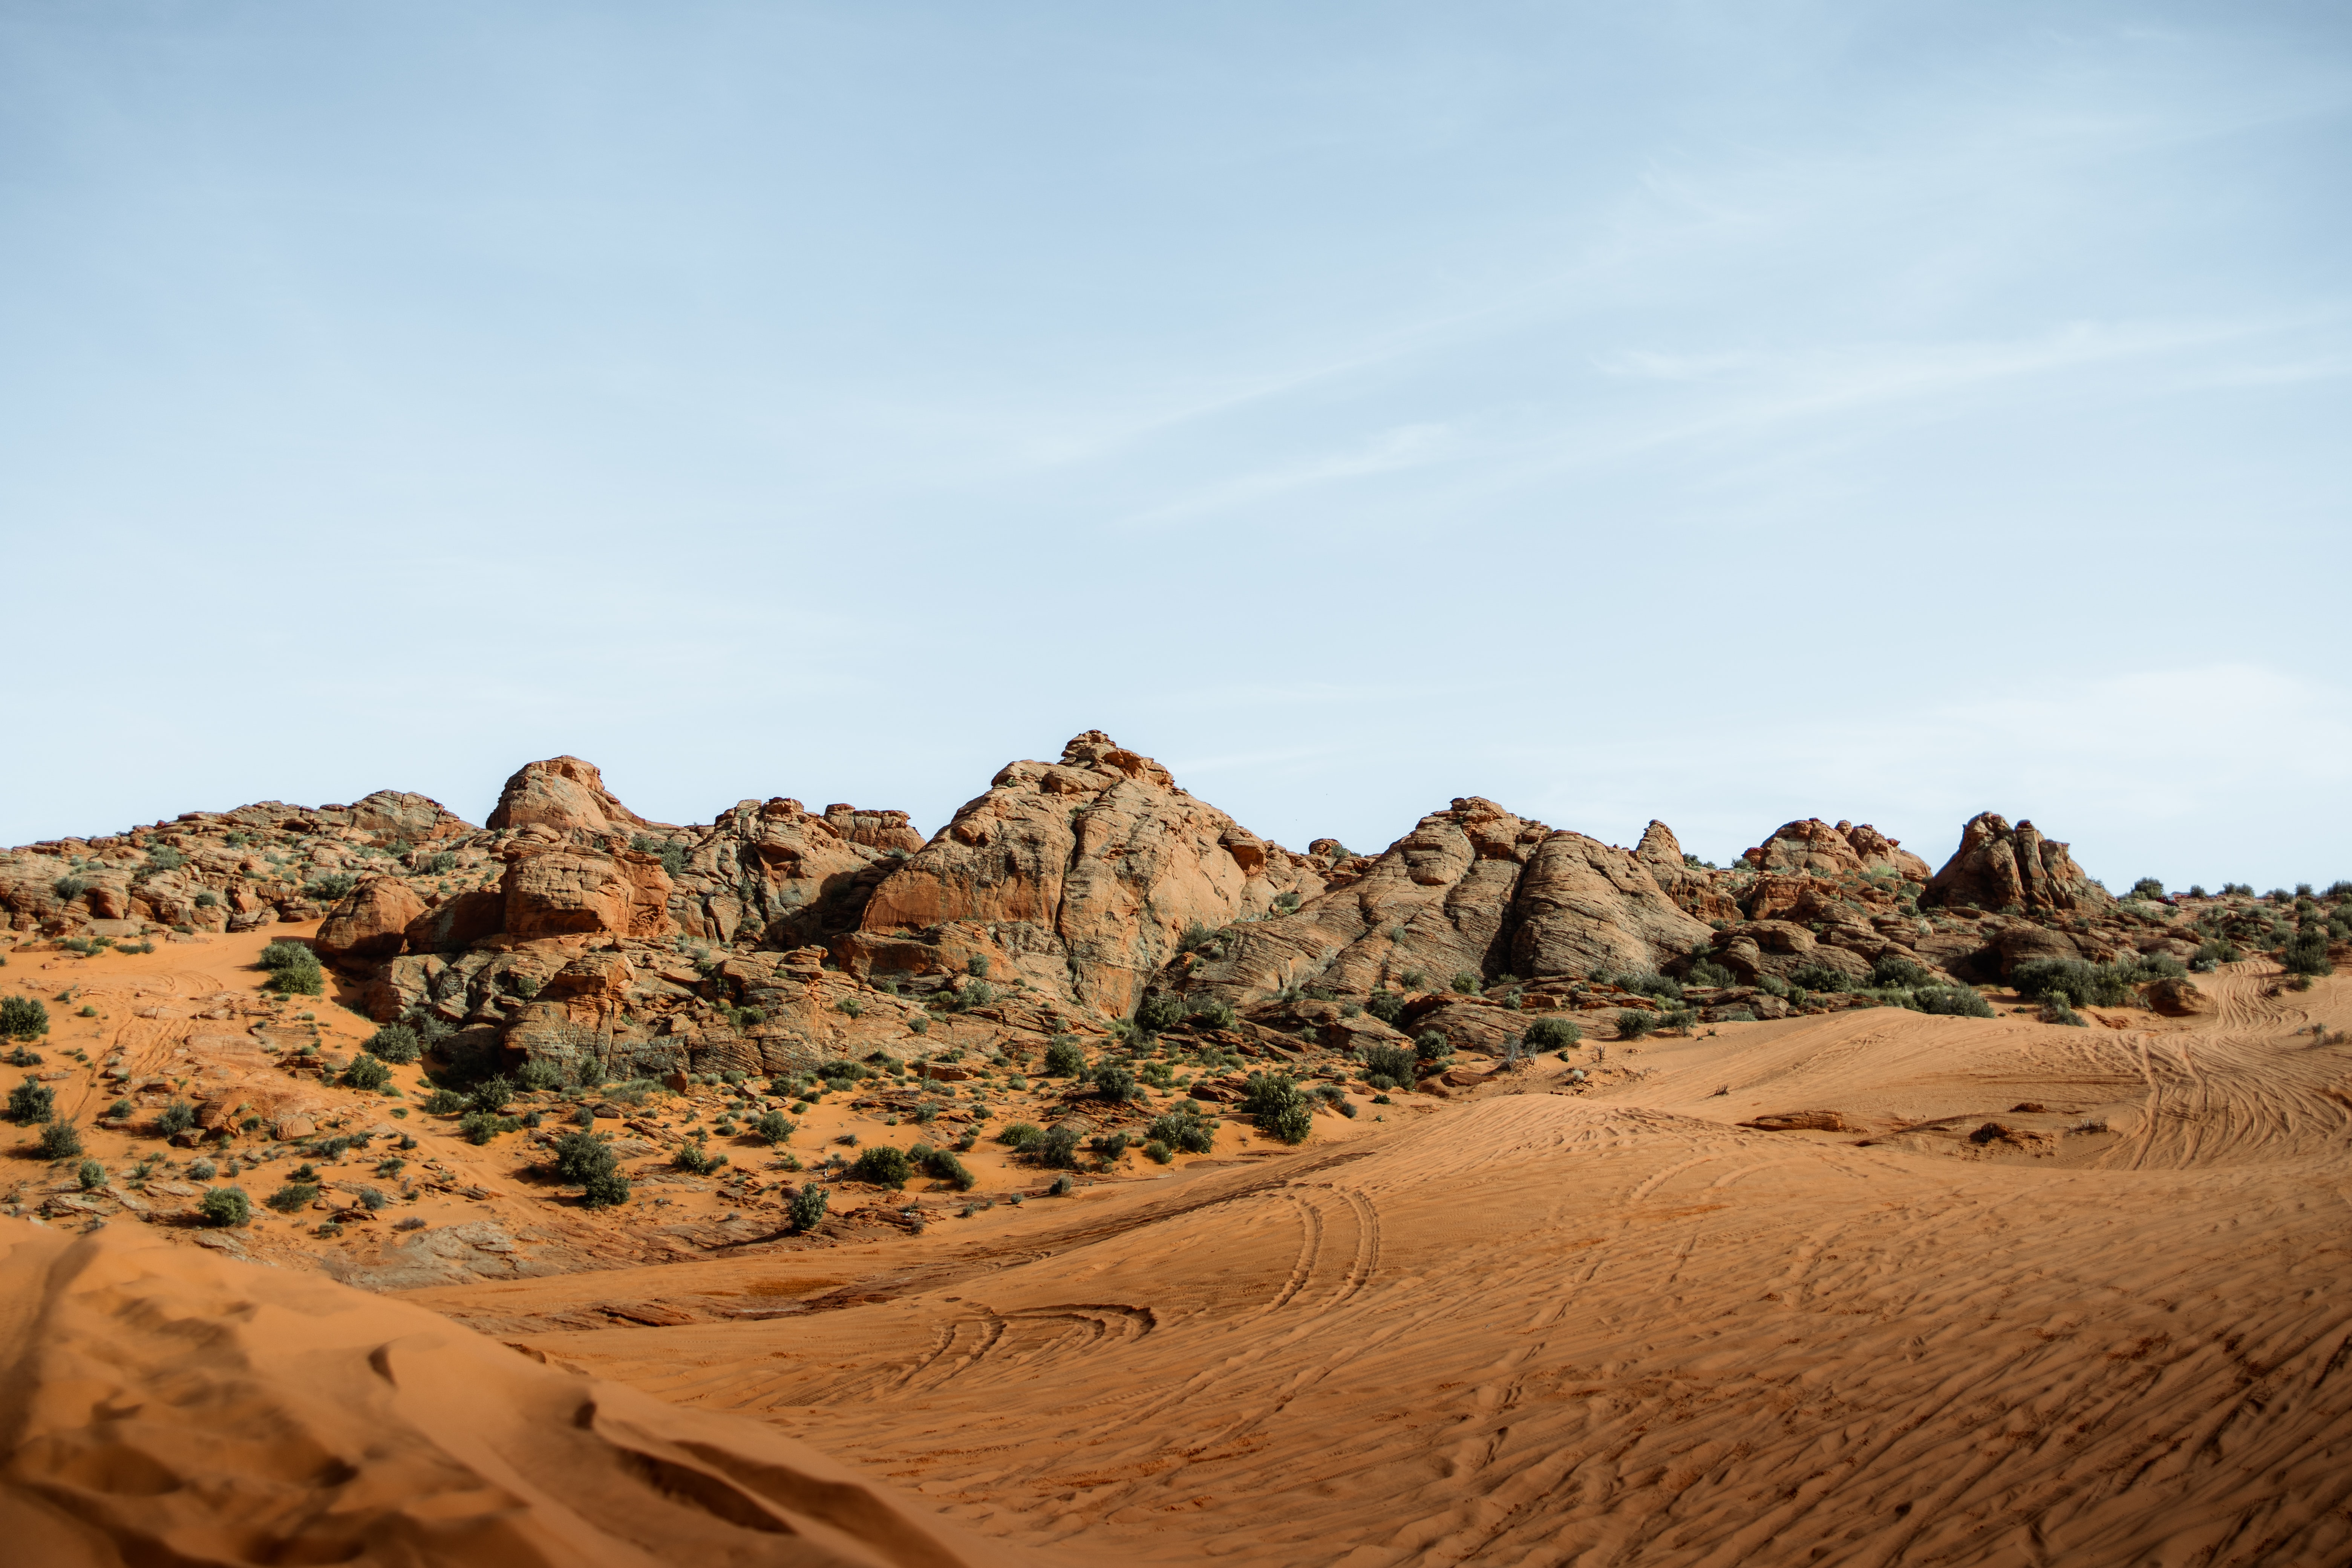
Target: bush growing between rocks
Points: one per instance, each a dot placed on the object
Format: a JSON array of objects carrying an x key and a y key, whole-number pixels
[
  {"x": 225, "y": 1207},
  {"x": 1385, "y": 1066},
  {"x": 1820, "y": 977},
  {"x": 1215, "y": 1014},
  {"x": 493, "y": 1094},
  {"x": 883, "y": 1165},
  {"x": 2072, "y": 980},
  {"x": 2055, "y": 1011},
  {"x": 395, "y": 1043},
  {"x": 539, "y": 1073},
  {"x": 1649, "y": 982},
  {"x": 1466, "y": 984},
  {"x": 1160, "y": 1012},
  {"x": 177, "y": 1117},
  {"x": 806, "y": 1209},
  {"x": 90, "y": 1174},
  {"x": 1706, "y": 972},
  {"x": 1019, "y": 1136},
  {"x": 68, "y": 889},
  {"x": 940, "y": 1164},
  {"x": 367, "y": 1073},
  {"x": 2307, "y": 951},
  {"x": 1387, "y": 1007},
  {"x": 774, "y": 1127},
  {"x": 694, "y": 1157},
  {"x": 1064, "y": 1059},
  {"x": 1115, "y": 1081},
  {"x": 1634, "y": 1023},
  {"x": 1553, "y": 1035},
  {"x": 1896, "y": 972},
  {"x": 23, "y": 1018},
  {"x": 1431, "y": 1047},
  {"x": 1952, "y": 1002}
]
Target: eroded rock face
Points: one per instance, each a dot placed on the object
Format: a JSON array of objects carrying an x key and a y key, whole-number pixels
[
  {"x": 1998, "y": 867},
  {"x": 1102, "y": 858},
  {"x": 1812, "y": 846},
  {"x": 875, "y": 829},
  {"x": 559, "y": 893},
  {"x": 1474, "y": 889},
  {"x": 775, "y": 871},
  {"x": 566, "y": 795},
  {"x": 371, "y": 922},
  {"x": 1692, "y": 888}
]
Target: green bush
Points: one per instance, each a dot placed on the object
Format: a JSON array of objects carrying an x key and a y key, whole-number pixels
[
  {"x": 1896, "y": 972},
  {"x": 2147, "y": 888},
  {"x": 2307, "y": 951},
  {"x": 300, "y": 980},
  {"x": 1215, "y": 1014},
  {"x": 1952, "y": 1002},
  {"x": 293, "y": 1195},
  {"x": 493, "y": 1094},
  {"x": 285, "y": 954},
  {"x": 1058, "y": 1147},
  {"x": 2072, "y": 980},
  {"x": 1115, "y": 1081},
  {"x": 1649, "y": 982},
  {"x": 1393, "y": 1063},
  {"x": 68, "y": 889},
  {"x": 581, "y": 1155},
  {"x": 1279, "y": 1106},
  {"x": 1706, "y": 972},
  {"x": 1466, "y": 984},
  {"x": 605, "y": 1189},
  {"x": 774, "y": 1127},
  {"x": 1429, "y": 1046},
  {"x": 23, "y": 1018},
  {"x": 883, "y": 1165},
  {"x": 1820, "y": 977},
  {"x": 1159, "y": 1153},
  {"x": 177, "y": 1117},
  {"x": 1064, "y": 1059},
  {"x": 1387, "y": 1007},
  {"x": 540, "y": 1073},
  {"x": 1182, "y": 1127},
  {"x": 226, "y": 1207},
  {"x": 366, "y": 1072},
  {"x": 1553, "y": 1035},
  {"x": 806, "y": 1209},
  {"x": 1159, "y": 1010},
  {"x": 444, "y": 1102},
  {"x": 941, "y": 1165},
  {"x": 1634, "y": 1023},
  {"x": 32, "y": 1101},
  {"x": 1198, "y": 938},
  {"x": 90, "y": 1174},
  {"x": 478, "y": 1126},
  {"x": 1019, "y": 1135},
  {"x": 2055, "y": 1011}
]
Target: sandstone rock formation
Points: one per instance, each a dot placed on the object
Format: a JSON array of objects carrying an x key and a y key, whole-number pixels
[
  {"x": 1086, "y": 871},
  {"x": 1998, "y": 867},
  {"x": 371, "y": 922},
  {"x": 563, "y": 794}
]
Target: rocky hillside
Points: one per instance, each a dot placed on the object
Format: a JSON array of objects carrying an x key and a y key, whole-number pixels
[{"x": 1074, "y": 897}]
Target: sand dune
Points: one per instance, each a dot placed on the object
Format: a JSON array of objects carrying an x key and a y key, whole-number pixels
[
  {"x": 163, "y": 1406},
  {"x": 1545, "y": 1328}
]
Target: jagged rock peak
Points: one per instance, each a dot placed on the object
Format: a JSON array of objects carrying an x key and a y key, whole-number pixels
[
  {"x": 1095, "y": 749},
  {"x": 2000, "y": 867},
  {"x": 566, "y": 795}
]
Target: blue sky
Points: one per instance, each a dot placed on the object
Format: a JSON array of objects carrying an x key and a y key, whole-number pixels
[{"x": 1725, "y": 413}]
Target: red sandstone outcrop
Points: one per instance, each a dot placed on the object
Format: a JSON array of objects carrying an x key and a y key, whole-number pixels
[
  {"x": 371, "y": 922},
  {"x": 1099, "y": 862},
  {"x": 560, "y": 893},
  {"x": 1998, "y": 867},
  {"x": 566, "y": 795}
]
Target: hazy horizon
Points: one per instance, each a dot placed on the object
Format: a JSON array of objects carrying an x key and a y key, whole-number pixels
[{"x": 1726, "y": 414}]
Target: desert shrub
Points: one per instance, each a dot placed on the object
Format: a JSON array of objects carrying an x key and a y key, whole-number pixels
[
  {"x": 1159, "y": 1010},
  {"x": 774, "y": 1127},
  {"x": 330, "y": 887},
  {"x": 1894, "y": 970},
  {"x": 225, "y": 1207},
  {"x": 1393, "y": 1063},
  {"x": 493, "y": 1094},
  {"x": 1952, "y": 1002},
  {"x": 1706, "y": 972},
  {"x": 1553, "y": 1035},
  {"x": 2072, "y": 980},
  {"x": 1155, "y": 1152},
  {"x": 2160, "y": 966},
  {"x": 693, "y": 1156},
  {"x": 293, "y": 1195},
  {"x": 1634, "y": 1023},
  {"x": 444, "y": 1102},
  {"x": 1466, "y": 984},
  {"x": 580, "y": 1155},
  {"x": 1279, "y": 1107},
  {"x": 1115, "y": 1081},
  {"x": 1215, "y": 1014},
  {"x": 68, "y": 889},
  {"x": 177, "y": 1117},
  {"x": 883, "y": 1165},
  {"x": 605, "y": 1189},
  {"x": 1198, "y": 938},
  {"x": 940, "y": 1164},
  {"x": 975, "y": 994},
  {"x": 1387, "y": 1007},
  {"x": 1019, "y": 1135},
  {"x": 805, "y": 1209},
  {"x": 1430, "y": 1045},
  {"x": 89, "y": 1174},
  {"x": 23, "y": 1018},
  {"x": 1064, "y": 1059},
  {"x": 366, "y": 1072},
  {"x": 851, "y": 1005},
  {"x": 2148, "y": 887},
  {"x": 300, "y": 979},
  {"x": 1285, "y": 903},
  {"x": 540, "y": 1073},
  {"x": 285, "y": 954},
  {"x": 1678, "y": 1018},
  {"x": 1649, "y": 982},
  {"x": 478, "y": 1126},
  {"x": 1820, "y": 977},
  {"x": 2307, "y": 951},
  {"x": 395, "y": 1043},
  {"x": 2055, "y": 1011},
  {"x": 31, "y": 1101},
  {"x": 1737, "y": 1015},
  {"x": 1058, "y": 1147}
]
